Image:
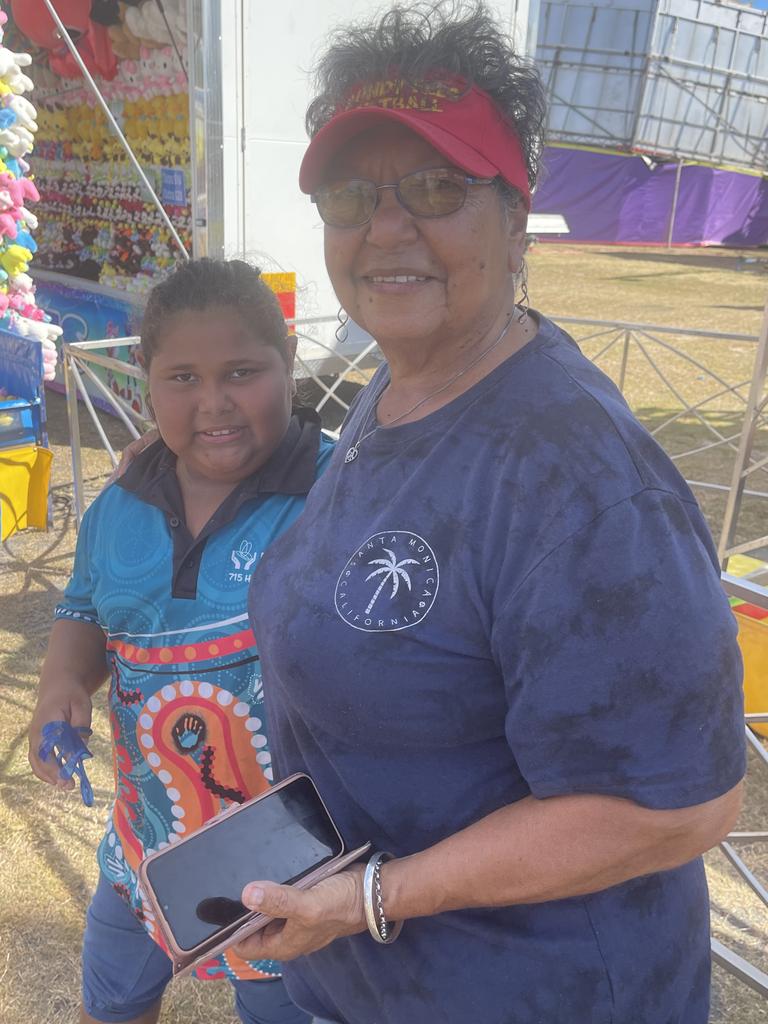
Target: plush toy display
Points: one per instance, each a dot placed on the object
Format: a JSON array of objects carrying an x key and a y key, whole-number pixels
[
  {"x": 19, "y": 312},
  {"x": 95, "y": 220}
]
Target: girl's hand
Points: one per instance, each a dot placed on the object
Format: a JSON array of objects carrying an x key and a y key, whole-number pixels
[
  {"x": 131, "y": 451},
  {"x": 307, "y": 920},
  {"x": 71, "y": 703}
]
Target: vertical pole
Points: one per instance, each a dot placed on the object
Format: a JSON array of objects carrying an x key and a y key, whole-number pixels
[
  {"x": 673, "y": 212},
  {"x": 73, "y": 417},
  {"x": 624, "y": 358},
  {"x": 741, "y": 465}
]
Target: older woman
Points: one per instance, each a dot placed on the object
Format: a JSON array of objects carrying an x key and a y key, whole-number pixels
[{"x": 496, "y": 639}]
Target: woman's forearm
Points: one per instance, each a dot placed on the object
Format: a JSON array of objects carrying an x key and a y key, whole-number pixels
[{"x": 539, "y": 850}]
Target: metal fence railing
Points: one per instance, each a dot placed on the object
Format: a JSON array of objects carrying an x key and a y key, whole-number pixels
[{"x": 697, "y": 392}]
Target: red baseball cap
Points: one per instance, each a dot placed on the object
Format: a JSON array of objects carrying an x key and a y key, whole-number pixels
[{"x": 462, "y": 122}]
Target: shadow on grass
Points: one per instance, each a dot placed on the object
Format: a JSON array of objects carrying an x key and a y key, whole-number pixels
[{"x": 730, "y": 261}]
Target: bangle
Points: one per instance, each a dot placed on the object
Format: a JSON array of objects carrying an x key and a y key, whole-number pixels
[{"x": 381, "y": 930}]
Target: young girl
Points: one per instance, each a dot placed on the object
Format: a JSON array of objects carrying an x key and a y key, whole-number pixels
[{"x": 156, "y": 603}]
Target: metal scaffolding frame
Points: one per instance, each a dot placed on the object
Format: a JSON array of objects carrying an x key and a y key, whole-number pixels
[
  {"x": 747, "y": 461},
  {"x": 675, "y": 79}
]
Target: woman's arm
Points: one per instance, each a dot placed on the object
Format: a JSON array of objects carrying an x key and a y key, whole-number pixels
[
  {"x": 528, "y": 852},
  {"x": 539, "y": 850},
  {"x": 75, "y": 667}
]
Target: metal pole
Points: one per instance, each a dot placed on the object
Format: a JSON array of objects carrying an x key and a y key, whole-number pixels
[
  {"x": 114, "y": 400},
  {"x": 739, "y": 967},
  {"x": 624, "y": 358},
  {"x": 675, "y": 195},
  {"x": 74, "y": 437},
  {"x": 741, "y": 465},
  {"x": 89, "y": 406},
  {"x": 115, "y": 126}
]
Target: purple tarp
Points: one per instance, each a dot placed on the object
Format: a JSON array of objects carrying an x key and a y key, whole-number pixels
[{"x": 610, "y": 197}]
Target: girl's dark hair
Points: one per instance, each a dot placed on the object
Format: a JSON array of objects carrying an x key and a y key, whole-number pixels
[
  {"x": 453, "y": 36},
  {"x": 200, "y": 284}
]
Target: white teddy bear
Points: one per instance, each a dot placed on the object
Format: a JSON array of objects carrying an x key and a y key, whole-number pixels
[
  {"x": 10, "y": 70},
  {"x": 146, "y": 21},
  {"x": 24, "y": 111}
]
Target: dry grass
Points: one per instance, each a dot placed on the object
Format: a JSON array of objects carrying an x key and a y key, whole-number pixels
[{"x": 47, "y": 840}]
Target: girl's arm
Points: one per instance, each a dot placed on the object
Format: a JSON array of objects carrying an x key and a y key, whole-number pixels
[{"x": 75, "y": 667}]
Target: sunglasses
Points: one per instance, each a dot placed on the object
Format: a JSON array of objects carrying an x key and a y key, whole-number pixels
[{"x": 436, "y": 192}]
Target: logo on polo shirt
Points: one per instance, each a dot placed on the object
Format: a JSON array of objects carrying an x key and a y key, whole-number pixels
[
  {"x": 390, "y": 583},
  {"x": 243, "y": 558}
]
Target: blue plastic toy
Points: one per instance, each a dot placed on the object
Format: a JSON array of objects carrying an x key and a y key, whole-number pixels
[{"x": 69, "y": 750}]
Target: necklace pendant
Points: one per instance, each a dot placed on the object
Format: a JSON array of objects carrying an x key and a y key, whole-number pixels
[{"x": 351, "y": 455}]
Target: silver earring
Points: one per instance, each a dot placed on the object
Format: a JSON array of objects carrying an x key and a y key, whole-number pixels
[
  {"x": 341, "y": 331},
  {"x": 523, "y": 304}
]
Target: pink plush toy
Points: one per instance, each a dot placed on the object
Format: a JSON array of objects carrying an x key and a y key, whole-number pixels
[
  {"x": 19, "y": 188},
  {"x": 8, "y": 225}
]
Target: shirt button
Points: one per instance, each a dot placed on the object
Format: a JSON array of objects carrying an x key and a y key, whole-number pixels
[
  {"x": 174, "y": 521},
  {"x": 190, "y": 562}
]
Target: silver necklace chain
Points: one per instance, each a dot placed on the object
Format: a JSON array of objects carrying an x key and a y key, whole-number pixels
[{"x": 354, "y": 450}]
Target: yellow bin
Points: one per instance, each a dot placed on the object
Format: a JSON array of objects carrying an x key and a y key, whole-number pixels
[
  {"x": 753, "y": 641},
  {"x": 24, "y": 478}
]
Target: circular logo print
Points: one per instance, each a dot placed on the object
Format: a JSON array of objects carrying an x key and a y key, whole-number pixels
[{"x": 390, "y": 583}]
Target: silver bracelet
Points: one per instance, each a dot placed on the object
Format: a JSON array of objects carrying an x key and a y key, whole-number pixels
[{"x": 381, "y": 930}]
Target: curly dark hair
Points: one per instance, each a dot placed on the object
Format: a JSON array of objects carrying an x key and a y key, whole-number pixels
[
  {"x": 203, "y": 283},
  {"x": 458, "y": 37}
]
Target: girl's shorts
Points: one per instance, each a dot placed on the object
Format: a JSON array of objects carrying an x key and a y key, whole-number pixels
[{"x": 125, "y": 972}]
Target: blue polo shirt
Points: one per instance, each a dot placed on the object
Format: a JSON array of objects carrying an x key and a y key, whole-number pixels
[
  {"x": 515, "y": 595},
  {"x": 185, "y": 696}
]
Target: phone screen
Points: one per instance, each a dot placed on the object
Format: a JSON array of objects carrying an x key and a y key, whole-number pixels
[{"x": 278, "y": 839}]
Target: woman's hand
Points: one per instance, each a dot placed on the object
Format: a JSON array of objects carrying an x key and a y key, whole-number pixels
[
  {"x": 306, "y": 920},
  {"x": 130, "y": 452}
]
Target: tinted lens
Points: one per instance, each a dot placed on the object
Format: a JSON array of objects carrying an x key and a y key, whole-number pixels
[
  {"x": 433, "y": 193},
  {"x": 347, "y": 203}
]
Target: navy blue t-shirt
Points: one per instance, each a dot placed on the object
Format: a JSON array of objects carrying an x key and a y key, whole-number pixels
[{"x": 515, "y": 595}]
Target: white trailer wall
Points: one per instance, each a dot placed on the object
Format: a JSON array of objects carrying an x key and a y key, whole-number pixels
[{"x": 250, "y": 87}]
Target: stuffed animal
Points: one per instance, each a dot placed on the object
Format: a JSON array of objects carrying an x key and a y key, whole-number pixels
[
  {"x": 23, "y": 110},
  {"x": 19, "y": 189},
  {"x": 8, "y": 226},
  {"x": 124, "y": 42},
  {"x": 15, "y": 260},
  {"x": 33, "y": 18},
  {"x": 13, "y": 79}
]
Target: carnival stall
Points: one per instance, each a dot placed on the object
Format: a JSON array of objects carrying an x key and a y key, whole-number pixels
[
  {"x": 101, "y": 241},
  {"x": 27, "y": 336}
]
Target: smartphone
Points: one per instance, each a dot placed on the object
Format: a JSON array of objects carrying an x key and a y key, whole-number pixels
[{"x": 286, "y": 835}]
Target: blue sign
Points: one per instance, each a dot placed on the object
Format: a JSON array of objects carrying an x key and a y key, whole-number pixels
[{"x": 173, "y": 189}]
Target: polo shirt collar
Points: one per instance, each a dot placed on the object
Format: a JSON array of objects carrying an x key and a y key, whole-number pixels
[{"x": 290, "y": 470}]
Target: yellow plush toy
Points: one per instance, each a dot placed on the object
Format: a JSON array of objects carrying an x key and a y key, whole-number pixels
[{"x": 15, "y": 260}]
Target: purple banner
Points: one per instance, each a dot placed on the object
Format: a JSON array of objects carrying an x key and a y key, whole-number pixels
[{"x": 613, "y": 198}]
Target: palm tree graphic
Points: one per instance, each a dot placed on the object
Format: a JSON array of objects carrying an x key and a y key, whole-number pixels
[{"x": 392, "y": 570}]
